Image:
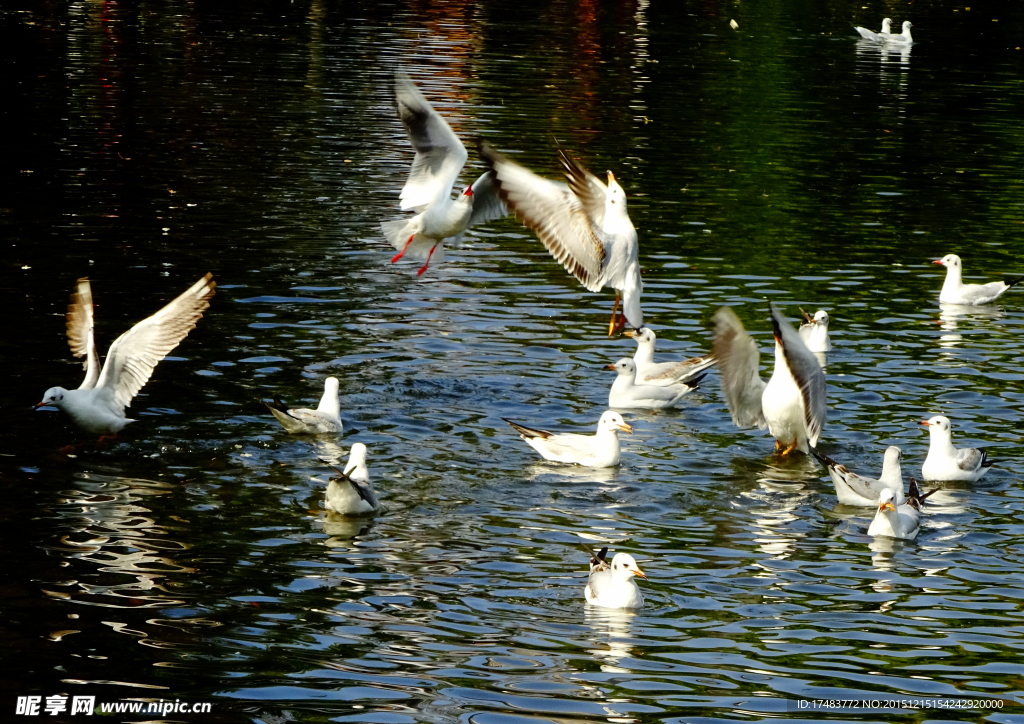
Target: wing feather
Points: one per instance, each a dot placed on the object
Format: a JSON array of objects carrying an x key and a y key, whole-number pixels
[
  {"x": 971, "y": 459},
  {"x": 807, "y": 373},
  {"x": 739, "y": 363},
  {"x": 487, "y": 204},
  {"x": 80, "y": 330},
  {"x": 593, "y": 194}
]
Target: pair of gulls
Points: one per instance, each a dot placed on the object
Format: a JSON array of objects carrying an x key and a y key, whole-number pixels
[
  {"x": 885, "y": 35},
  {"x": 583, "y": 223}
]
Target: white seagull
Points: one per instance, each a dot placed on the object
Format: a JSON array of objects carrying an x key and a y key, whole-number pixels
[
  {"x": 325, "y": 418},
  {"x": 792, "y": 404},
  {"x": 439, "y": 159},
  {"x": 869, "y": 35},
  {"x": 903, "y": 38},
  {"x": 814, "y": 333},
  {"x": 351, "y": 492},
  {"x": 954, "y": 291},
  {"x": 854, "y": 489},
  {"x": 663, "y": 374},
  {"x": 611, "y": 585},
  {"x": 97, "y": 406},
  {"x": 583, "y": 224},
  {"x": 593, "y": 451},
  {"x": 627, "y": 394},
  {"x": 945, "y": 462},
  {"x": 895, "y": 519}
]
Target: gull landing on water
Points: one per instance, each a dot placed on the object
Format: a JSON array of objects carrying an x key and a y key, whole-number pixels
[
  {"x": 945, "y": 462},
  {"x": 954, "y": 291},
  {"x": 439, "y": 159},
  {"x": 97, "y": 406},
  {"x": 583, "y": 224},
  {"x": 792, "y": 404},
  {"x": 663, "y": 374},
  {"x": 350, "y": 493},
  {"x": 595, "y": 451},
  {"x": 857, "y": 490},
  {"x": 611, "y": 585},
  {"x": 325, "y": 418}
]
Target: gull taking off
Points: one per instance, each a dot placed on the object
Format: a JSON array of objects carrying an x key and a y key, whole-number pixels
[
  {"x": 945, "y": 462},
  {"x": 662, "y": 374},
  {"x": 792, "y": 404},
  {"x": 954, "y": 291},
  {"x": 594, "y": 451},
  {"x": 97, "y": 406},
  {"x": 350, "y": 493},
  {"x": 439, "y": 159},
  {"x": 898, "y": 520},
  {"x": 325, "y": 418},
  {"x": 584, "y": 225},
  {"x": 854, "y": 489},
  {"x": 814, "y": 332},
  {"x": 877, "y": 37},
  {"x": 611, "y": 585},
  {"x": 627, "y": 394}
]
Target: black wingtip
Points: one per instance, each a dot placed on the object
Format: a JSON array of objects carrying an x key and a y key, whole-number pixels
[
  {"x": 1010, "y": 282},
  {"x": 599, "y": 558},
  {"x": 823, "y": 458},
  {"x": 985, "y": 462},
  {"x": 695, "y": 382},
  {"x": 278, "y": 404}
]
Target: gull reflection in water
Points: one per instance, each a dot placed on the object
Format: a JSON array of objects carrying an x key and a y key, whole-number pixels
[
  {"x": 343, "y": 528},
  {"x": 612, "y": 629},
  {"x": 951, "y": 315},
  {"x": 560, "y": 473}
]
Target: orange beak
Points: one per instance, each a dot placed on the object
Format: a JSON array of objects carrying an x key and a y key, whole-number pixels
[
  {"x": 938, "y": 261},
  {"x": 41, "y": 404},
  {"x": 611, "y": 177},
  {"x": 611, "y": 367},
  {"x": 625, "y": 427},
  {"x": 886, "y": 506},
  {"x": 640, "y": 573},
  {"x": 925, "y": 422}
]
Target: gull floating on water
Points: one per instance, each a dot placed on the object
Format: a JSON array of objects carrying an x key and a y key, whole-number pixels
[
  {"x": 627, "y": 394},
  {"x": 350, "y": 493},
  {"x": 663, "y": 374},
  {"x": 854, "y": 489},
  {"x": 97, "y": 406},
  {"x": 594, "y": 451},
  {"x": 954, "y": 291},
  {"x": 814, "y": 333},
  {"x": 898, "y": 520},
  {"x": 903, "y": 38},
  {"x": 325, "y": 418},
  {"x": 792, "y": 404},
  {"x": 439, "y": 159},
  {"x": 583, "y": 224},
  {"x": 869, "y": 35},
  {"x": 611, "y": 585},
  {"x": 945, "y": 462}
]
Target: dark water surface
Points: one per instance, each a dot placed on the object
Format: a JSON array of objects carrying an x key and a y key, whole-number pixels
[{"x": 149, "y": 143}]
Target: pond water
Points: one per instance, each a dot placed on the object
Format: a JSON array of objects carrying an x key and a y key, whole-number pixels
[{"x": 191, "y": 558}]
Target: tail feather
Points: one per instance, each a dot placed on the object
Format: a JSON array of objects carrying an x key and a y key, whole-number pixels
[
  {"x": 396, "y": 232},
  {"x": 527, "y": 432}
]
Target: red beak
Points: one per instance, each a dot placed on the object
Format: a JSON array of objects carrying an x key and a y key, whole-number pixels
[
  {"x": 937, "y": 261},
  {"x": 469, "y": 191},
  {"x": 925, "y": 422},
  {"x": 611, "y": 367}
]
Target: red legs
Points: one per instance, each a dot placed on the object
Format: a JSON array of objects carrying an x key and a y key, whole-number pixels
[
  {"x": 106, "y": 437},
  {"x": 613, "y": 325},
  {"x": 424, "y": 267},
  {"x": 400, "y": 254}
]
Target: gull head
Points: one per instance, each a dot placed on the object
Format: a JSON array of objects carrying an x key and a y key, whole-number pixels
[
  {"x": 949, "y": 260},
  {"x": 887, "y": 25},
  {"x": 821, "y": 317},
  {"x": 616, "y": 196},
  {"x": 623, "y": 566},
  {"x": 53, "y": 397},
  {"x": 331, "y": 385},
  {"x": 893, "y": 456},
  {"x": 355, "y": 468},
  {"x": 938, "y": 425},
  {"x": 624, "y": 366},
  {"x": 907, "y": 25},
  {"x": 613, "y": 421},
  {"x": 468, "y": 192},
  {"x": 644, "y": 335},
  {"x": 885, "y": 500}
]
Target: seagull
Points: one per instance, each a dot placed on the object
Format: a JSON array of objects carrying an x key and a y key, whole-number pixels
[
  {"x": 612, "y": 585},
  {"x": 583, "y": 224},
  {"x": 325, "y": 418},
  {"x": 854, "y": 489},
  {"x": 954, "y": 291},
  {"x": 869, "y": 35},
  {"x": 351, "y": 492},
  {"x": 97, "y": 406},
  {"x": 945, "y": 462},
  {"x": 439, "y": 159},
  {"x": 663, "y": 374},
  {"x": 901, "y": 39},
  {"x": 815, "y": 333},
  {"x": 898, "y": 519},
  {"x": 627, "y": 394},
  {"x": 593, "y": 451},
  {"x": 792, "y": 404}
]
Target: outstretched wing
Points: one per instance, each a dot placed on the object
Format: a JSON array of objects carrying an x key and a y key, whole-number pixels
[
  {"x": 80, "y": 332},
  {"x": 593, "y": 194},
  {"x": 487, "y": 205},
  {"x": 133, "y": 355},
  {"x": 739, "y": 363},
  {"x": 807, "y": 373}
]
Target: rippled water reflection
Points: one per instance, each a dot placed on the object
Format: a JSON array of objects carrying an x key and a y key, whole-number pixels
[{"x": 193, "y": 558}]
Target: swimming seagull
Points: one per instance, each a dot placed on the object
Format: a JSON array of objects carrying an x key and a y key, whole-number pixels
[
  {"x": 814, "y": 332},
  {"x": 903, "y": 38},
  {"x": 97, "y": 406},
  {"x": 792, "y": 404},
  {"x": 611, "y": 585},
  {"x": 627, "y": 394},
  {"x": 351, "y": 492},
  {"x": 895, "y": 519},
  {"x": 583, "y": 224},
  {"x": 595, "y": 451},
  {"x": 325, "y": 418},
  {"x": 854, "y": 489},
  {"x": 439, "y": 159},
  {"x": 954, "y": 291},
  {"x": 662, "y": 374},
  {"x": 945, "y": 462},
  {"x": 869, "y": 35}
]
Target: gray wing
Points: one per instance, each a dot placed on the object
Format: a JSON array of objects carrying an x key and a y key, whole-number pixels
[
  {"x": 866, "y": 34},
  {"x": 739, "y": 365},
  {"x": 133, "y": 355},
  {"x": 80, "y": 332},
  {"x": 971, "y": 459},
  {"x": 806, "y": 370},
  {"x": 440, "y": 154},
  {"x": 555, "y": 214},
  {"x": 682, "y": 371},
  {"x": 487, "y": 205}
]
